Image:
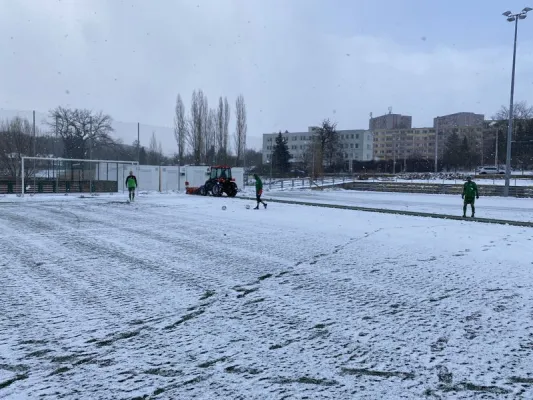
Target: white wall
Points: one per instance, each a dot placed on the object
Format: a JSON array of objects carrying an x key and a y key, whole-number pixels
[{"x": 162, "y": 178}]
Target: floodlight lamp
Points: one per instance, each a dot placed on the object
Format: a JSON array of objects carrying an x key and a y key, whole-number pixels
[
  {"x": 511, "y": 19},
  {"x": 507, "y": 13},
  {"x": 522, "y": 16},
  {"x": 527, "y": 9}
]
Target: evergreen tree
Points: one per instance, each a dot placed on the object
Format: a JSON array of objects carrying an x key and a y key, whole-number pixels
[
  {"x": 281, "y": 155},
  {"x": 452, "y": 154},
  {"x": 464, "y": 153}
]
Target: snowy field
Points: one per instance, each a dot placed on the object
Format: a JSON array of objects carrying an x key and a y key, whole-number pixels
[
  {"x": 511, "y": 208},
  {"x": 173, "y": 298}
]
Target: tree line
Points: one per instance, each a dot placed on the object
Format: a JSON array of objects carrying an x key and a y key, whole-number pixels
[
  {"x": 202, "y": 136},
  {"x": 203, "y": 133}
]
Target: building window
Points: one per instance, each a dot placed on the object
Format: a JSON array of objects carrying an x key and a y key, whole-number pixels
[
  {"x": 351, "y": 145},
  {"x": 357, "y": 145},
  {"x": 368, "y": 147},
  {"x": 357, "y": 136},
  {"x": 352, "y": 135}
]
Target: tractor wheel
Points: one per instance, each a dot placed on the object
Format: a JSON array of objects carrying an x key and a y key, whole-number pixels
[
  {"x": 203, "y": 191},
  {"x": 232, "y": 192},
  {"x": 217, "y": 190}
]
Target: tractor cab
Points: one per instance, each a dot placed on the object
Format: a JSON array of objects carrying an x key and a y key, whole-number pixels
[
  {"x": 220, "y": 181},
  {"x": 221, "y": 173}
]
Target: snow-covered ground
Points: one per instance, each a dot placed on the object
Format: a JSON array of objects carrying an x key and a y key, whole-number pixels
[
  {"x": 513, "y": 209},
  {"x": 171, "y": 297}
]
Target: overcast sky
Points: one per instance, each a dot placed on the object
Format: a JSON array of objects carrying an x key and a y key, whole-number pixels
[{"x": 295, "y": 61}]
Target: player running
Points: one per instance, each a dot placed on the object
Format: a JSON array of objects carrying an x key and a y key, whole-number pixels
[
  {"x": 470, "y": 194},
  {"x": 131, "y": 183},
  {"x": 258, "y": 192}
]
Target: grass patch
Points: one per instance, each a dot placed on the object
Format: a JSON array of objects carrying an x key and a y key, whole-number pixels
[
  {"x": 382, "y": 374},
  {"x": 207, "y": 294},
  {"x": 235, "y": 369},
  {"x": 60, "y": 371},
  {"x": 14, "y": 368},
  {"x": 163, "y": 372},
  {"x": 39, "y": 353},
  {"x": 33, "y": 342},
  {"x": 62, "y": 359},
  {"x": 435, "y": 299},
  {"x": 246, "y": 292},
  {"x": 120, "y": 336},
  {"x": 261, "y": 299},
  {"x": 468, "y": 386},
  {"x": 183, "y": 319},
  {"x": 12, "y": 380},
  {"x": 208, "y": 364},
  {"x": 307, "y": 381},
  {"x": 517, "y": 379},
  {"x": 280, "y": 346}
]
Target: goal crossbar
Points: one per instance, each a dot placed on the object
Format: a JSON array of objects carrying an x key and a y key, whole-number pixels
[{"x": 61, "y": 159}]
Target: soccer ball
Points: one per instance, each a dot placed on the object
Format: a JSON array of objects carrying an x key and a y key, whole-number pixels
[
  {"x": 247, "y": 206},
  {"x": 223, "y": 207}
]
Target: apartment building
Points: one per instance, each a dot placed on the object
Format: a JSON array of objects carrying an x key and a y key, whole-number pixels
[
  {"x": 458, "y": 119},
  {"x": 390, "y": 121},
  {"x": 402, "y": 144},
  {"x": 355, "y": 144}
]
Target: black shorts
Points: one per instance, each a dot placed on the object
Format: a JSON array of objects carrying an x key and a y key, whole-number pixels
[{"x": 131, "y": 189}]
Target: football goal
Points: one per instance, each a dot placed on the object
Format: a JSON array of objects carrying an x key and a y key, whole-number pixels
[{"x": 67, "y": 175}]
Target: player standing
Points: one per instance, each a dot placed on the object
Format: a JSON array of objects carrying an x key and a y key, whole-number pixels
[
  {"x": 258, "y": 192},
  {"x": 131, "y": 183},
  {"x": 470, "y": 194}
]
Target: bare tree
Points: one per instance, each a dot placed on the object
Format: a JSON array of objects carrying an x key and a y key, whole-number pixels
[
  {"x": 180, "y": 127},
  {"x": 240, "y": 128},
  {"x": 211, "y": 128},
  {"x": 328, "y": 143},
  {"x": 220, "y": 129},
  {"x": 225, "y": 126},
  {"x": 81, "y": 130},
  {"x": 198, "y": 120},
  {"x": 521, "y": 110},
  {"x": 16, "y": 141}
]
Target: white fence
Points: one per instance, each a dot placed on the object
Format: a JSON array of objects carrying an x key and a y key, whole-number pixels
[{"x": 165, "y": 178}]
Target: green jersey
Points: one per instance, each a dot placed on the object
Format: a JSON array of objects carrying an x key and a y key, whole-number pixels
[
  {"x": 470, "y": 190},
  {"x": 258, "y": 184},
  {"x": 131, "y": 182}
]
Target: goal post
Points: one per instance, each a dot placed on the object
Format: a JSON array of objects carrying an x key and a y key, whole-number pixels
[{"x": 68, "y": 175}]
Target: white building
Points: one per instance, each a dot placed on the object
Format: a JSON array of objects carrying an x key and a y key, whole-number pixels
[{"x": 356, "y": 144}]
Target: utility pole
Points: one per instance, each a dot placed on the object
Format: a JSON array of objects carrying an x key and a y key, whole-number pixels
[
  {"x": 138, "y": 143},
  {"x": 496, "y": 149},
  {"x": 437, "y": 145},
  {"x": 91, "y": 156},
  {"x": 512, "y": 18}
]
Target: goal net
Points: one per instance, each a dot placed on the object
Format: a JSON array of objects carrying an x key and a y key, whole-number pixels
[{"x": 66, "y": 175}]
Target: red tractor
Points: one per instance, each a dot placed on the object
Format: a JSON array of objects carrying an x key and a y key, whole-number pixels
[{"x": 220, "y": 181}]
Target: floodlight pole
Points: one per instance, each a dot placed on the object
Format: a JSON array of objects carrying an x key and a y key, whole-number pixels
[
  {"x": 512, "y": 18},
  {"x": 22, "y": 174},
  {"x": 437, "y": 145}
]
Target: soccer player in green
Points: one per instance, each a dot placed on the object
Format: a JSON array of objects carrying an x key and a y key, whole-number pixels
[
  {"x": 258, "y": 192},
  {"x": 131, "y": 183},
  {"x": 470, "y": 194}
]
